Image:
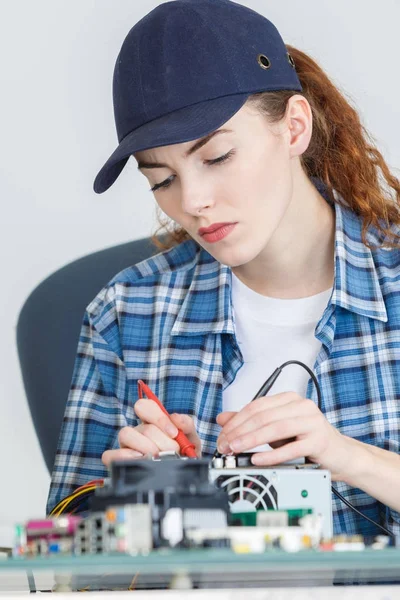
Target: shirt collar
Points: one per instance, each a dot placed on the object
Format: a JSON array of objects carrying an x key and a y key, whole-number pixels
[
  {"x": 207, "y": 307},
  {"x": 356, "y": 281}
]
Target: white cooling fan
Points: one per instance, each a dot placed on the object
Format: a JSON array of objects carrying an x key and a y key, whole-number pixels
[{"x": 248, "y": 492}]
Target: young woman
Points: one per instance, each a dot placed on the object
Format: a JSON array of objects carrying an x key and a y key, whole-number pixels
[{"x": 285, "y": 246}]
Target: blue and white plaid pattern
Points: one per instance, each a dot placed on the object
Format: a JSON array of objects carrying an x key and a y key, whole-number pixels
[{"x": 168, "y": 321}]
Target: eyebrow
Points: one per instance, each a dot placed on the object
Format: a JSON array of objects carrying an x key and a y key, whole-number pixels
[{"x": 199, "y": 144}]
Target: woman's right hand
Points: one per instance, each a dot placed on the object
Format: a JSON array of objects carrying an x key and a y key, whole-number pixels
[{"x": 154, "y": 435}]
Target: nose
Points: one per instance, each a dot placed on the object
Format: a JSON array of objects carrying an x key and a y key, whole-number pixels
[{"x": 196, "y": 197}]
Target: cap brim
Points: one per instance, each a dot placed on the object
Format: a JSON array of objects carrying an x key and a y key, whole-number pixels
[{"x": 184, "y": 125}]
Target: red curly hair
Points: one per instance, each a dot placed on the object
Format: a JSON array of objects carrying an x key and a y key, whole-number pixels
[{"x": 341, "y": 153}]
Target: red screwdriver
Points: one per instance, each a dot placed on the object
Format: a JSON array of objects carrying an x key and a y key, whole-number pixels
[{"x": 186, "y": 447}]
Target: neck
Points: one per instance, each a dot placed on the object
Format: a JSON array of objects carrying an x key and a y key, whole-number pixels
[{"x": 298, "y": 260}]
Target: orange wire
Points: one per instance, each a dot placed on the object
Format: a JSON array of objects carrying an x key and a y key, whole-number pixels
[{"x": 99, "y": 482}]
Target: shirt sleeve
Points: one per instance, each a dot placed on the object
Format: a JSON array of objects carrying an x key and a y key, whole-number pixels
[
  {"x": 100, "y": 403},
  {"x": 390, "y": 517},
  {"x": 392, "y": 520}
]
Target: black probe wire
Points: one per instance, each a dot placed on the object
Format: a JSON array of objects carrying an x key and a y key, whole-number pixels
[{"x": 264, "y": 389}]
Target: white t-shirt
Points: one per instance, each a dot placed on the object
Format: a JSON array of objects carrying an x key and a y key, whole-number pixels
[{"x": 271, "y": 331}]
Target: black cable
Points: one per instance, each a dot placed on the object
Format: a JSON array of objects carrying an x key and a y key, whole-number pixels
[
  {"x": 311, "y": 374},
  {"x": 343, "y": 499},
  {"x": 264, "y": 389}
]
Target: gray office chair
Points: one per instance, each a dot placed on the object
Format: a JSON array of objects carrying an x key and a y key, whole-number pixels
[{"x": 48, "y": 331}]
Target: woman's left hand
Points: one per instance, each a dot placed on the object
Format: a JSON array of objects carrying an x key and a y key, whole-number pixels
[{"x": 288, "y": 417}]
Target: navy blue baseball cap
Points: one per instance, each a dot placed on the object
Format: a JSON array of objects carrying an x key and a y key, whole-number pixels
[{"x": 185, "y": 69}]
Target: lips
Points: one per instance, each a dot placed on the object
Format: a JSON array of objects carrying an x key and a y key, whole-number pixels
[
  {"x": 212, "y": 228},
  {"x": 220, "y": 232}
]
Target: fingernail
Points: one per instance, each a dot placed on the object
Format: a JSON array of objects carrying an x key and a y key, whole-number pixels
[
  {"x": 181, "y": 419},
  {"x": 236, "y": 445},
  {"x": 171, "y": 430},
  {"x": 223, "y": 445}
]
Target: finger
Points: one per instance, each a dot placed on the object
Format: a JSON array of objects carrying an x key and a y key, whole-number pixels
[
  {"x": 281, "y": 443},
  {"x": 253, "y": 414},
  {"x": 131, "y": 437},
  {"x": 279, "y": 430},
  {"x": 256, "y": 406},
  {"x": 158, "y": 437},
  {"x": 291, "y": 410},
  {"x": 149, "y": 412},
  {"x": 110, "y": 456},
  {"x": 224, "y": 417},
  {"x": 297, "y": 449},
  {"x": 186, "y": 424}
]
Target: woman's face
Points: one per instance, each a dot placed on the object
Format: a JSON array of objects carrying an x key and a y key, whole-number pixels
[{"x": 242, "y": 177}]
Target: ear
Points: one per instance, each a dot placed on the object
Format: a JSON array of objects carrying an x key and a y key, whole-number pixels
[{"x": 299, "y": 122}]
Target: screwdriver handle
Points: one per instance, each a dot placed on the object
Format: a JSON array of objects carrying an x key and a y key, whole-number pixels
[{"x": 186, "y": 447}]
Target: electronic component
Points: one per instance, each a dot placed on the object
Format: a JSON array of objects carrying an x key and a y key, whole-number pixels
[
  {"x": 126, "y": 529},
  {"x": 46, "y": 536},
  {"x": 163, "y": 485},
  {"x": 307, "y": 534},
  {"x": 283, "y": 487}
]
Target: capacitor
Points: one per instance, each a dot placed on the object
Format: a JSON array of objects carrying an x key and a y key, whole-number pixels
[{"x": 230, "y": 462}]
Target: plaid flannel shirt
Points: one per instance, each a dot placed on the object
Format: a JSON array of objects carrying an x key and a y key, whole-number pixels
[{"x": 168, "y": 320}]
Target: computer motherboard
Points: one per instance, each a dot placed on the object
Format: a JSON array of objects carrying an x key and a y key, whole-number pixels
[{"x": 173, "y": 502}]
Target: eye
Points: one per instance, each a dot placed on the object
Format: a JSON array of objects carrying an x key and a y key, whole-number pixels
[
  {"x": 164, "y": 184},
  {"x": 215, "y": 161},
  {"x": 221, "y": 159}
]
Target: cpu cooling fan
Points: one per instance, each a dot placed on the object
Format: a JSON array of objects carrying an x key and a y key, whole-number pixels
[{"x": 248, "y": 492}]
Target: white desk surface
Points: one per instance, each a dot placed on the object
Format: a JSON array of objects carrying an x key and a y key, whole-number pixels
[{"x": 316, "y": 593}]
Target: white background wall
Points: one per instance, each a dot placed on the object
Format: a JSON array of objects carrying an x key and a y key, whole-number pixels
[{"x": 57, "y": 130}]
